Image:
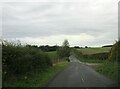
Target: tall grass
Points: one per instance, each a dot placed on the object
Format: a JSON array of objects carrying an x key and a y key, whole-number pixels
[{"x": 109, "y": 69}]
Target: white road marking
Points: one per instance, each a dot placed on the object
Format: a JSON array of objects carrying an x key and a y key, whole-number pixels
[{"x": 82, "y": 79}]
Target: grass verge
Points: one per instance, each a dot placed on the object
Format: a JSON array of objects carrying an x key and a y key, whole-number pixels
[
  {"x": 38, "y": 79},
  {"x": 109, "y": 69},
  {"x": 52, "y": 55}
]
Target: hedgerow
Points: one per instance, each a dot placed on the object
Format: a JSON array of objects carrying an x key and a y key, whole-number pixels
[{"x": 22, "y": 60}]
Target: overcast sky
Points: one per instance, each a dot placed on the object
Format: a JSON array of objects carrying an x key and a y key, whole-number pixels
[{"x": 82, "y": 22}]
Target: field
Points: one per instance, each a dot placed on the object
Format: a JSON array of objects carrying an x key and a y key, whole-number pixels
[
  {"x": 92, "y": 55},
  {"x": 90, "y": 51},
  {"x": 53, "y": 56}
]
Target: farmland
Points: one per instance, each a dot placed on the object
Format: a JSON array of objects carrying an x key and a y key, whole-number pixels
[
  {"x": 52, "y": 55},
  {"x": 94, "y": 50}
]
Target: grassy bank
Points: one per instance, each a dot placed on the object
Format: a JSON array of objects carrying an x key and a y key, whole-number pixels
[
  {"x": 109, "y": 69},
  {"x": 37, "y": 79}
]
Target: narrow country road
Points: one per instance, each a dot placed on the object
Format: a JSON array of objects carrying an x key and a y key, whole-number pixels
[{"x": 80, "y": 75}]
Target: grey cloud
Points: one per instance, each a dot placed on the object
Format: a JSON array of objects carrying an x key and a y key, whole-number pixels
[{"x": 54, "y": 18}]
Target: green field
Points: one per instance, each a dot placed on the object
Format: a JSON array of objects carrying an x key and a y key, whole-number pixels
[
  {"x": 89, "y": 51},
  {"x": 53, "y": 56}
]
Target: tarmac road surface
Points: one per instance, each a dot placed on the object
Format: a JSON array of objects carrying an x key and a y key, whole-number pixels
[{"x": 80, "y": 75}]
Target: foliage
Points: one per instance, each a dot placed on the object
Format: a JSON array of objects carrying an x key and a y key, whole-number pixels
[
  {"x": 45, "y": 48},
  {"x": 65, "y": 43},
  {"x": 115, "y": 57},
  {"x": 114, "y": 53},
  {"x": 36, "y": 79},
  {"x": 86, "y": 47},
  {"x": 89, "y": 51},
  {"x": 20, "y": 60},
  {"x": 109, "y": 69},
  {"x": 97, "y": 56},
  {"x": 76, "y": 47},
  {"x": 107, "y": 46},
  {"x": 64, "y": 51},
  {"x": 48, "y": 48},
  {"x": 53, "y": 56}
]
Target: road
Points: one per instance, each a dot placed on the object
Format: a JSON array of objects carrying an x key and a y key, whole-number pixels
[{"x": 80, "y": 75}]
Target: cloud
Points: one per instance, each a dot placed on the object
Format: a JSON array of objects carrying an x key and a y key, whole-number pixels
[
  {"x": 58, "y": 39},
  {"x": 57, "y": 18}
]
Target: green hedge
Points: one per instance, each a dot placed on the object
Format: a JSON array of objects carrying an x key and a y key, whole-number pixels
[
  {"x": 99, "y": 56},
  {"x": 21, "y": 60}
]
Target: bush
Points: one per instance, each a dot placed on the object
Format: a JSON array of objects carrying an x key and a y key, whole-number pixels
[
  {"x": 100, "y": 56},
  {"x": 63, "y": 52},
  {"x": 17, "y": 60},
  {"x": 109, "y": 69},
  {"x": 114, "y": 53}
]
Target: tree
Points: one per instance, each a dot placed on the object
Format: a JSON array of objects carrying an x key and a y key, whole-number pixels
[
  {"x": 64, "y": 51},
  {"x": 65, "y": 43},
  {"x": 86, "y": 46}
]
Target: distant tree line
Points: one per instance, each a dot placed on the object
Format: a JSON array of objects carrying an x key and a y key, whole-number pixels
[
  {"x": 107, "y": 46},
  {"x": 45, "y": 48}
]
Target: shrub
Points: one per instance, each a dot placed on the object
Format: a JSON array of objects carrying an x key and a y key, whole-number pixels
[
  {"x": 100, "y": 56},
  {"x": 97, "y": 56},
  {"x": 17, "y": 60},
  {"x": 114, "y": 53}
]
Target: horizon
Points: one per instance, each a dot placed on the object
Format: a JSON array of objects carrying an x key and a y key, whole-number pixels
[{"x": 19, "y": 42}]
